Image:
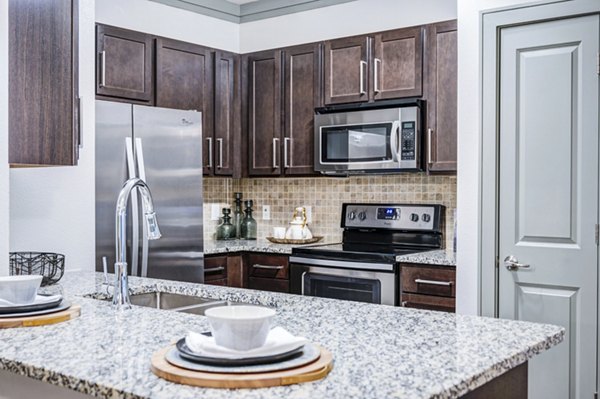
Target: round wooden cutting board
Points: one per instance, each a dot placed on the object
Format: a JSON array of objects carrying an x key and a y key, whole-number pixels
[
  {"x": 310, "y": 372},
  {"x": 41, "y": 320}
]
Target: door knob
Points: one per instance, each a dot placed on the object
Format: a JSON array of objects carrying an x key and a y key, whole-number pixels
[{"x": 513, "y": 264}]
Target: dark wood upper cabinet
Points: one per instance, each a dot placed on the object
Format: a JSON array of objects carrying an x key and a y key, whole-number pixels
[
  {"x": 302, "y": 96},
  {"x": 264, "y": 113},
  {"x": 124, "y": 64},
  {"x": 184, "y": 78},
  {"x": 43, "y": 117},
  {"x": 346, "y": 70},
  {"x": 227, "y": 108},
  {"x": 441, "y": 80},
  {"x": 397, "y": 64}
]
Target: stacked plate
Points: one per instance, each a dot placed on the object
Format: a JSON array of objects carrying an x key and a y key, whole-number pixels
[
  {"x": 280, "y": 357},
  {"x": 41, "y": 305}
]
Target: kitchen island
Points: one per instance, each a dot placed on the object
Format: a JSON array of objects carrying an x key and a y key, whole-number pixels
[{"x": 379, "y": 351}]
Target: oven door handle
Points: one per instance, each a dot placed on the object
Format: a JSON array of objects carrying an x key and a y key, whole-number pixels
[
  {"x": 343, "y": 264},
  {"x": 302, "y": 283},
  {"x": 395, "y": 141}
]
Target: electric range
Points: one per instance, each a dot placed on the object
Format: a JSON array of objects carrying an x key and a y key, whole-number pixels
[{"x": 363, "y": 266}]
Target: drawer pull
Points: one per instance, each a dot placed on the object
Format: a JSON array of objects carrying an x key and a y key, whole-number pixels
[
  {"x": 214, "y": 269},
  {"x": 267, "y": 267},
  {"x": 433, "y": 282}
]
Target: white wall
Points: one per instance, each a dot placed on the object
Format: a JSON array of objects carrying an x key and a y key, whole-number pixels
[
  {"x": 469, "y": 163},
  {"x": 159, "y": 19},
  {"x": 353, "y": 18},
  {"x": 52, "y": 209},
  {"x": 4, "y": 177}
]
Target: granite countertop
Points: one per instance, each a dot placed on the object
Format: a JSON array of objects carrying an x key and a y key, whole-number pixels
[
  {"x": 440, "y": 257},
  {"x": 213, "y": 247},
  {"x": 379, "y": 351}
]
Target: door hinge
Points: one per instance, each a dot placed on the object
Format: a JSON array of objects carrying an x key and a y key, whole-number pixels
[
  {"x": 595, "y": 395},
  {"x": 597, "y": 234},
  {"x": 497, "y": 262},
  {"x": 598, "y": 63}
]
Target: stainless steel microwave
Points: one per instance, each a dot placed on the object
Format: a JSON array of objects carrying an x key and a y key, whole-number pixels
[{"x": 384, "y": 140}]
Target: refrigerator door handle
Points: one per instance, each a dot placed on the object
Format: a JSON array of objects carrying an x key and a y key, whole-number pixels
[
  {"x": 135, "y": 217},
  {"x": 139, "y": 150}
]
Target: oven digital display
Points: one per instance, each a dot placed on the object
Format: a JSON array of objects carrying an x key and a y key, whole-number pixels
[{"x": 388, "y": 213}]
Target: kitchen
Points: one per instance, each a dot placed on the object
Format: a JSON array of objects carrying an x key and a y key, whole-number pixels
[{"x": 43, "y": 198}]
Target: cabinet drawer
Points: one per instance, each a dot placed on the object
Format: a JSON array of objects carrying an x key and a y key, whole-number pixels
[
  {"x": 428, "y": 302},
  {"x": 221, "y": 281},
  {"x": 269, "y": 284},
  {"x": 268, "y": 266},
  {"x": 428, "y": 280},
  {"x": 215, "y": 268}
]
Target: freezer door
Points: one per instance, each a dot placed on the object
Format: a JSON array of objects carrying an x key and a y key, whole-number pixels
[
  {"x": 113, "y": 168},
  {"x": 168, "y": 150}
]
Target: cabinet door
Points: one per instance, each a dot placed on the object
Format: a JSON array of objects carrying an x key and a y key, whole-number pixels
[
  {"x": 43, "y": 86},
  {"x": 346, "y": 70},
  {"x": 264, "y": 100},
  {"x": 397, "y": 64},
  {"x": 302, "y": 95},
  {"x": 226, "y": 109},
  {"x": 441, "y": 61},
  {"x": 124, "y": 64}
]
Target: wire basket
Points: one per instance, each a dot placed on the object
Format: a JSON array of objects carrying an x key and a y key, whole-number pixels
[{"x": 47, "y": 264}]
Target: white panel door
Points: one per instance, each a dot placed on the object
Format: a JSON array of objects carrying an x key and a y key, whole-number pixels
[{"x": 548, "y": 193}]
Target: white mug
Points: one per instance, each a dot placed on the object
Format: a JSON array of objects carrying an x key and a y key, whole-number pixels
[{"x": 279, "y": 232}]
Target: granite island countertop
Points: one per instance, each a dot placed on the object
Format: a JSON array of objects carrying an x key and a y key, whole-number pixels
[{"x": 379, "y": 351}]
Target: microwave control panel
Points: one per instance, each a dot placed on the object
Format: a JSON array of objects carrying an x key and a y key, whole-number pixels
[{"x": 408, "y": 142}]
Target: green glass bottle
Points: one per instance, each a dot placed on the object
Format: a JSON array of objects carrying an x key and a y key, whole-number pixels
[
  {"x": 248, "y": 225},
  {"x": 238, "y": 215},
  {"x": 226, "y": 231}
]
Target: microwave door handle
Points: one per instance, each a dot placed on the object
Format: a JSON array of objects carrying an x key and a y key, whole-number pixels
[{"x": 395, "y": 140}]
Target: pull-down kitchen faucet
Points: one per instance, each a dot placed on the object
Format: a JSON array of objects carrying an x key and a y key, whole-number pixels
[{"x": 121, "y": 292}]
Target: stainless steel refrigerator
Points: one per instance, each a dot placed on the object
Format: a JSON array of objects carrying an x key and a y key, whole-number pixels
[{"x": 163, "y": 147}]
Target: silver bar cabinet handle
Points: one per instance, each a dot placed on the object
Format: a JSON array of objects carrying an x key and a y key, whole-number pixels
[
  {"x": 210, "y": 152},
  {"x": 376, "y": 65},
  {"x": 433, "y": 282},
  {"x": 275, "y": 141},
  {"x": 103, "y": 66},
  {"x": 214, "y": 269},
  {"x": 363, "y": 64},
  {"x": 220, "y": 164},
  {"x": 285, "y": 151},
  {"x": 429, "y": 139},
  {"x": 267, "y": 267},
  {"x": 513, "y": 264}
]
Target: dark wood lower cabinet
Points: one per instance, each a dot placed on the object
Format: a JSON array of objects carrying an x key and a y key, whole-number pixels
[
  {"x": 250, "y": 270},
  {"x": 428, "y": 287},
  {"x": 512, "y": 384}
]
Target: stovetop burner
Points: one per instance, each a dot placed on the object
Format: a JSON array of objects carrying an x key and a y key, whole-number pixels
[{"x": 380, "y": 232}]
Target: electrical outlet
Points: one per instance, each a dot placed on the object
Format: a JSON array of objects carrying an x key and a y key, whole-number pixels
[
  {"x": 308, "y": 214},
  {"x": 215, "y": 212},
  {"x": 266, "y": 212}
]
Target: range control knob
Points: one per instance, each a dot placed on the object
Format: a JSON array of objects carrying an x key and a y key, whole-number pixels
[
  {"x": 414, "y": 217},
  {"x": 426, "y": 217},
  {"x": 352, "y": 215},
  {"x": 362, "y": 215}
]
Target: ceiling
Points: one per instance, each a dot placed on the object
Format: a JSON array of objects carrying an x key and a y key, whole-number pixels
[{"x": 241, "y": 11}]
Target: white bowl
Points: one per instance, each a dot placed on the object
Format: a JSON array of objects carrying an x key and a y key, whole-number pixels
[
  {"x": 240, "y": 327},
  {"x": 20, "y": 290}
]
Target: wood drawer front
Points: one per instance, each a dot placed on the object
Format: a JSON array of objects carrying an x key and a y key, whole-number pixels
[
  {"x": 268, "y": 266},
  {"x": 221, "y": 281},
  {"x": 428, "y": 302},
  {"x": 215, "y": 268},
  {"x": 269, "y": 284},
  {"x": 429, "y": 280}
]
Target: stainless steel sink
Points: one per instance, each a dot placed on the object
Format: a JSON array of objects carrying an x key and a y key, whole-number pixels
[{"x": 175, "y": 302}]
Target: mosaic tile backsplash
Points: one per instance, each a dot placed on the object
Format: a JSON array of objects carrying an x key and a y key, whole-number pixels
[{"x": 325, "y": 196}]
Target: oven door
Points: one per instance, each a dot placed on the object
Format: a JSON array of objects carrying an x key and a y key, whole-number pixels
[{"x": 346, "y": 284}]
